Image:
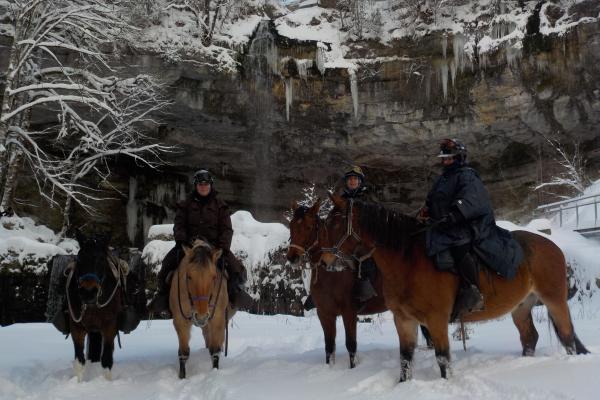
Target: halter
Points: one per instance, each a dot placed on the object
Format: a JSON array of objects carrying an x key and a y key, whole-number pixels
[
  {"x": 70, "y": 270},
  {"x": 195, "y": 299},
  {"x": 350, "y": 233},
  {"x": 309, "y": 249}
]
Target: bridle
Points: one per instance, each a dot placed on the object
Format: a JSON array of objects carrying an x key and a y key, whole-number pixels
[
  {"x": 350, "y": 233},
  {"x": 195, "y": 299},
  {"x": 309, "y": 251}
]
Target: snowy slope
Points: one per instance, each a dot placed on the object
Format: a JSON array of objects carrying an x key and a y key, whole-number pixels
[{"x": 281, "y": 357}]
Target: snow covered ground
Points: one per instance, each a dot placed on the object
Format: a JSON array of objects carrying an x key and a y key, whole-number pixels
[{"x": 282, "y": 357}]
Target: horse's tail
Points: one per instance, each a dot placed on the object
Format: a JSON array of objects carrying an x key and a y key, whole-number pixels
[
  {"x": 94, "y": 346},
  {"x": 573, "y": 346}
]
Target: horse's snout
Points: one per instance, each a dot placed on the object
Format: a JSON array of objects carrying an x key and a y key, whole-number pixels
[
  {"x": 199, "y": 321},
  {"x": 292, "y": 256},
  {"x": 88, "y": 291}
]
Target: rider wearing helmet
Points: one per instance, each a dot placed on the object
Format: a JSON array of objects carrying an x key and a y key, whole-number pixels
[
  {"x": 203, "y": 215},
  {"x": 459, "y": 209}
]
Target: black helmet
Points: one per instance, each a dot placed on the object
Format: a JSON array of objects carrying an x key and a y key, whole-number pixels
[
  {"x": 355, "y": 171},
  {"x": 202, "y": 176},
  {"x": 453, "y": 148}
]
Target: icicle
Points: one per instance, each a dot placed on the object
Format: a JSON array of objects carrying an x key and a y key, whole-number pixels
[
  {"x": 289, "y": 84},
  {"x": 132, "y": 210},
  {"x": 303, "y": 66},
  {"x": 263, "y": 47},
  {"x": 444, "y": 45},
  {"x": 354, "y": 92},
  {"x": 444, "y": 75},
  {"x": 453, "y": 72},
  {"x": 458, "y": 48},
  {"x": 513, "y": 53},
  {"x": 321, "y": 58}
]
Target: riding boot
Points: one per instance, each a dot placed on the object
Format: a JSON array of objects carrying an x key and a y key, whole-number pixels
[
  {"x": 469, "y": 298},
  {"x": 160, "y": 304},
  {"x": 364, "y": 290},
  {"x": 238, "y": 297},
  {"x": 309, "y": 304}
]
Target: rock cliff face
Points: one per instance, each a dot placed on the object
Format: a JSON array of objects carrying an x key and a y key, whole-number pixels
[{"x": 282, "y": 122}]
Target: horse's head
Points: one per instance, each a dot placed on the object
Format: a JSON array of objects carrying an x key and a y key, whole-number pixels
[
  {"x": 199, "y": 270},
  {"x": 91, "y": 265},
  {"x": 304, "y": 228}
]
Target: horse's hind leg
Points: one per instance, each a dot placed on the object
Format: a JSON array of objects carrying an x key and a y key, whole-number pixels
[
  {"x": 328, "y": 325},
  {"x": 558, "y": 310},
  {"x": 407, "y": 334},
  {"x": 78, "y": 336},
  {"x": 524, "y": 321},
  {"x": 183, "y": 329},
  {"x": 349, "y": 317}
]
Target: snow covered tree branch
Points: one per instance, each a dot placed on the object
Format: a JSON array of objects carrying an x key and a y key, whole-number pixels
[
  {"x": 572, "y": 165},
  {"x": 207, "y": 15},
  {"x": 57, "y": 64}
]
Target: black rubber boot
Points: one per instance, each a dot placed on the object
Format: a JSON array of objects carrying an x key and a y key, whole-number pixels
[
  {"x": 469, "y": 297},
  {"x": 238, "y": 297},
  {"x": 309, "y": 304},
  {"x": 365, "y": 290}
]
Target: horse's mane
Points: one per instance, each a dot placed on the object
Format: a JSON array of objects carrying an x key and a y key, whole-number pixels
[{"x": 386, "y": 227}]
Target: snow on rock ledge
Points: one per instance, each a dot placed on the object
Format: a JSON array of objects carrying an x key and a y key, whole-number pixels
[{"x": 25, "y": 245}]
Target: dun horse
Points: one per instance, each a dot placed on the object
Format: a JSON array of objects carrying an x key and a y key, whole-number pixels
[
  {"x": 416, "y": 292},
  {"x": 198, "y": 296},
  {"x": 331, "y": 289},
  {"x": 94, "y": 294}
]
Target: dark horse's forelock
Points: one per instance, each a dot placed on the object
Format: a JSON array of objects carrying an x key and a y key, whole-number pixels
[
  {"x": 387, "y": 227},
  {"x": 300, "y": 212}
]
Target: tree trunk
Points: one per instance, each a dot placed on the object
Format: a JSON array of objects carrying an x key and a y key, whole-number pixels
[
  {"x": 6, "y": 108},
  {"x": 12, "y": 174},
  {"x": 66, "y": 217}
]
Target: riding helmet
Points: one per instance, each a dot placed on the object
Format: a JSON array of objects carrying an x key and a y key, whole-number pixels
[
  {"x": 203, "y": 176},
  {"x": 355, "y": 171},
  {"x": 453, "y": 148}
]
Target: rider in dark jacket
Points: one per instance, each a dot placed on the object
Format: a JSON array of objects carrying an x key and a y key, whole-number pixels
[
  {"x": 460, "y": 210},
  {"x": 203, "y": 215}
]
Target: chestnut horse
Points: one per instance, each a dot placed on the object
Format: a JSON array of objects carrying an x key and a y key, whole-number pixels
[
  {"x": 331, "y": 289},
  {"x": 94, "y": 292},
  {"x": 198, "y": 296},
  {"x": 417, "y": 293}
]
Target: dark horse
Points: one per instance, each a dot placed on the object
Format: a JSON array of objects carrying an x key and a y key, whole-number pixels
[
  {"x": 94, "y": 300},
  {"x": 417, "y": 293},
  {"x": 331, "y": 289}
]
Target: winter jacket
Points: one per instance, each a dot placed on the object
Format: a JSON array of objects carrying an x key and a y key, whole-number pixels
[
  {"x": 205, "y": 218},
  {"x": 459, "y": 192}
]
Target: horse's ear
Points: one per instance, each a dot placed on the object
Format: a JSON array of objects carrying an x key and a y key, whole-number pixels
[
  {"x": 216, "y": 254},
  {"x": 294, "y": 205},
  {"x": 315, "y": 207},
  {"x": 187, "y": 250},
  {"x": 337, "y": 200}
]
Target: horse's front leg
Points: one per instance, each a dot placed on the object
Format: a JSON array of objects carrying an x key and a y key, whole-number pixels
[
  {"x": 183, "y": 329},
  {"x": 438, "y": 328},
  {"x": 350, "y": 321},
  {"x": 108, "y": 349},
  {"x": 407, "y": 334},
  {"x": 328, "y": 325},
  {"x": 78, "y": 336}
]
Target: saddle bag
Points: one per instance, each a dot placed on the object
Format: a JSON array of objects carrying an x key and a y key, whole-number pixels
[{"x": 128, "y": 320}]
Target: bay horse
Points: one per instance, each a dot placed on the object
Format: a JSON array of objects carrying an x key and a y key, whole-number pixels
[
  {"x": 94, "y": 292},
  {"x": 198, "y": 296},
  {"x": 331, "y": 288},
  {"x": 417, "y": 293}
]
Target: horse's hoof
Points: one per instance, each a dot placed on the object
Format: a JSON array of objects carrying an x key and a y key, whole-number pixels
[
  {"x": 215, "y": 362},
  {"x": 107, "y": 374},
  {"x": 78, "y": 369},
  {"x": 182, "y": 374},
  {"x": 353, "y": 361}
]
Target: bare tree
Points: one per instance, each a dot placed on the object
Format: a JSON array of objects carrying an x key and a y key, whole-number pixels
[
  {"x": 57, "y": 64},
  {"x": 208, "y": 14},
  {"x": 572, "y": 164}
]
